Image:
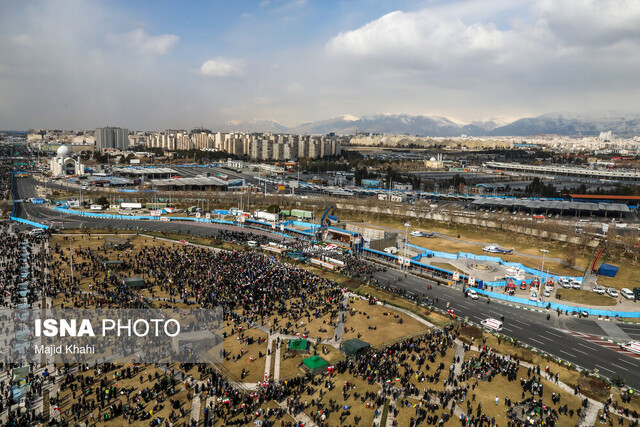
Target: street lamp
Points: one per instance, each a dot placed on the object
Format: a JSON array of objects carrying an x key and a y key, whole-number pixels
[
  {"x": 406, "y": 241},
  {"x": 541, "y": 294}
]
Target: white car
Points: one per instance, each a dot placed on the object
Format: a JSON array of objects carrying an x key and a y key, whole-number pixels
[
  {"x": 598, "y": 289},
  {"x": 564, "y": 283},
  {"x": 547, "y": 294},
  {"x": 626, "y": 292},
  {"x": 472, "y": 294},
  {"x": 575, "y": 284},
  {"x": 612, "y": 292}
]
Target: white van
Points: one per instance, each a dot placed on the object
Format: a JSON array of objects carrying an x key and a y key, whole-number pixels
[
  {"x": 492, "y": 323},
  {"x": 36, "y": 232},
  {"x": 626, "y": 292},
  {"x": 632, "y": 346},
  {"x": 252, "y": 244}
]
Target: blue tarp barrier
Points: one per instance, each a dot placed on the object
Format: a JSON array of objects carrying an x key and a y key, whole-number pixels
[{"x": 26, "y": 221}]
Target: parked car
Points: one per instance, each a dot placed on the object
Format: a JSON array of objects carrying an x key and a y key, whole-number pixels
[
  {"x": 564, "y": 282},
  {"x": 612, "y": 292},
  {"x": 626, "y": 292},
  {"x": 598, "y": 289},
  {"x": 575, "y": 284}
]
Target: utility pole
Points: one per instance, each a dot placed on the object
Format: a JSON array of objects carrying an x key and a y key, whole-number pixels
[
  {"x": 71, "y": 256},
  {"x": 406, "y": 242},
  {"x": 540, "y": 292}
]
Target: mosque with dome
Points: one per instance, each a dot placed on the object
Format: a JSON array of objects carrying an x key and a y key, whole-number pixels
[{"x": 63, "y": 164}]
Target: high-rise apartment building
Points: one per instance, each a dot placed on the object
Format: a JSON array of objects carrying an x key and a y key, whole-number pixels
[{"x": 113, "y": 138}]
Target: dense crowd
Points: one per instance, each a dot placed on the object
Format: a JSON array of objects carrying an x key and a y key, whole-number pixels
[{"x": 262, "y": 289}]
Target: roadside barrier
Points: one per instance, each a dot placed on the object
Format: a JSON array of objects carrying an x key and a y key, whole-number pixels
[
  {"x": 26, "y": 221},
  {"x": 555, "y": 306}
]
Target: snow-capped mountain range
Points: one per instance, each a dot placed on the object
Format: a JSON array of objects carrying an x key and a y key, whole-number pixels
[{"x": 438, "y": 126}]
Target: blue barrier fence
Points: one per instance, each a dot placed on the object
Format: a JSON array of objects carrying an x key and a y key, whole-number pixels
[
  {"x": 26, "y": 221},
  {"x": 133, "y": 217},
  {"x": 487, "y": 258},
  {"x": 556, "y": 306}
]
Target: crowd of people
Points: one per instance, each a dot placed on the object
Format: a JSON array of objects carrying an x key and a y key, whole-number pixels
[{"x": 260, "y": 289}]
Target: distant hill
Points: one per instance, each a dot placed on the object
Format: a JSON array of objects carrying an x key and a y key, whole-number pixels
[
  {"x": 571, "y": 124},
  {"x": 438, "y": 126},
  {"x": 401, "y": 124},
  {"x": 255, "y": 126}
]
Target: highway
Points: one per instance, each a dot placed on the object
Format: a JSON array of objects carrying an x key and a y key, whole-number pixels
[{"x": 565, "y": 337}]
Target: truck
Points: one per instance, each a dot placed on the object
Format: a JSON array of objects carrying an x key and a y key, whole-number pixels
[
  {"x": 128, "y": 205},
  {"x": 268, "y": 216},
  {"x": 301, "y": 214}
]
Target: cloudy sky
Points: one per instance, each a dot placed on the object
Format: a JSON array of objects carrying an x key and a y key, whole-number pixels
[{"x": 166, "y": 64}]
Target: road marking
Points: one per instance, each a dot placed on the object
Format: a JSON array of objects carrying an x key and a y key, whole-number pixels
[
  {"x": 539, "y": 342},
  {"x": 580, "y": 351},
  {"x": 546, "y": 338},
  {"x": 606, "y": 369},
  {"x": 585, "y": 346},
  {"x": 632, "y": 364},
  {"x": 618, "y": 366},
  {"x": 555, "y": 335},
  {"x": 518, "y": 321},
  {"x": 572, "y": 355}
]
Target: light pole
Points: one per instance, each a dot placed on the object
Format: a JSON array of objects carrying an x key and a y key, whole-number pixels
[
  {"x": 541, "y": 294},
  {"x": 406, "y": 241},
  {"x": 71, "y": 256}
]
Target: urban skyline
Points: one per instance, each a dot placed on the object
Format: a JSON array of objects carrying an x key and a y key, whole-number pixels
[{"x": 298, "y": 61}]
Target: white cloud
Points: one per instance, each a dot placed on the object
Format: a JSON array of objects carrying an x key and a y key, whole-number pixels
[
  {"x": 222, "y": 67},
  {"x": 141, "y": 42},
  {"x": 436, "y": 36},
  {"x": 22, "y": 40},
  {"x": 419, "y": 37},
  {"x": 598, "y": 22}
]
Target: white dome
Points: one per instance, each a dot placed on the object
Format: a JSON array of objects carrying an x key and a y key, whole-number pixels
[
  {"x": 63, "y": 151},
  {"x": 433, "y": 159}
]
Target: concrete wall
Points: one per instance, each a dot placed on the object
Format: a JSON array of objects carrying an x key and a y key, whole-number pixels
[
  {"x": 381, "y": 244},
  {"x": 368, "y": 233}
]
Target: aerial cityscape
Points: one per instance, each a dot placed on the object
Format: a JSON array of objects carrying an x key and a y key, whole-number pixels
[{"x": 301, "y": 213}]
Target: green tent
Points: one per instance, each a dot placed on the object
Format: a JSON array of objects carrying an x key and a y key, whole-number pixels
[
  {"x": 354, "y": 346},
  {"x": 113, "y": 264},
  {"x": 315, "y": 364},
  {"x": 299, "y": 346},
  {"x": 134, "y": 282},
  {"x": 20, "y": 375}
]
